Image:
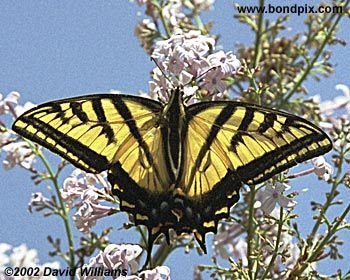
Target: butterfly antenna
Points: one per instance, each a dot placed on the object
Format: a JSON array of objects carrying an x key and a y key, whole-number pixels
[
  {"x": 200, "y": 77},
  {"x": 161, "y": 70}
]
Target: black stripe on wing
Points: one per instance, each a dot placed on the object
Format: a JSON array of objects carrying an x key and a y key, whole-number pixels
[
  {"x": 250, "y": 173},
  {"x": 221, "y": 119},
  {"x": 96, "y": 161},
  {"x": 124, "y": 111}
]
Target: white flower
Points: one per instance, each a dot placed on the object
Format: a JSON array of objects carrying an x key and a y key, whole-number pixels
[
  {"x": 8, "y": 101},
  {"x": 225, "y": 239},
  {"x": 23, "y": 257},
  {"x": 158, "y": 273},
  {"x": 294, "y": 253},
  {"x": 227, "y": 63},
  {"x": 89, "y": 209},
  {"x": 176, "y": 63},
  {"x": 273, "y": 194},
  {"x": 222, "y": 65},
  {"x": 231, "y": 245},
  {"x": 89, "y": 212},
  {"x": 159, "y": 86},
  {"x": 72, "y": 189},
  {"x": 341, "y": 126},
  {"x": 142, "y": 2},
  {"x": 190, "y": 94},
  {"x": 228, "y": 243},
  {"x": 4, "y": 259},
  {"x": 115, "y": 257},
  {"x": 172, "y": 12},
  {"x": 240, "y": 251},
  {"x": 77, "y": 184},
  {"x": 18, "y": 153},
  {"x": 5, "y": 138},
  {"x": 213, "y": 81},
  {"x": 19, "y": 109},
  {"x": 38, "y": 200},
  {"x": 322, "y": 168},
  {"x": 203, "y": 5},
  {"x": 343, "y": 101}
]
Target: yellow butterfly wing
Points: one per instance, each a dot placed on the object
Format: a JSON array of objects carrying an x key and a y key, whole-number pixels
[
  {"x": 230, "y": 143},
  {"x": 253, "y": 141},
  {"x": 95, "y": 132}
]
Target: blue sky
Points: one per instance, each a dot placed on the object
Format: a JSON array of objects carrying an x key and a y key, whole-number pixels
[{"x": 56, "y": 49}]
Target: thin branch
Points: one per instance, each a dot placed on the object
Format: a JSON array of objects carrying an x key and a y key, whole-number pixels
[{"x": 318, "y": 53}]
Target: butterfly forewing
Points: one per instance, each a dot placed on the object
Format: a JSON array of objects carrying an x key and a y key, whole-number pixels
[{"x": 90, "y": 131}]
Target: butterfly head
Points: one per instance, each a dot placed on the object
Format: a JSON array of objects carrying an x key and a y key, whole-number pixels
[{"x": 176, "y": 96}]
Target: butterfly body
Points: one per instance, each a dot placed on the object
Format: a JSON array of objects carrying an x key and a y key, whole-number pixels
[
  {"x": 174, "y": 166},
  {"x": 173, "y": 129}
]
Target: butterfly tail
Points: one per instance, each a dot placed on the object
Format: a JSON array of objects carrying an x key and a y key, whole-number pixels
[
  {"x": 201, "y": 241},
  {"x": 151, "y": 238}
]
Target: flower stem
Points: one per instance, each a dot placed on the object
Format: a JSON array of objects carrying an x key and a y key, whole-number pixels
[
  {"x": 275, "y": 251},
  {"x": 164, "y": 23},
  {"x": 301, "y": 173},
  {"x": 251, "y": 229},
  {"x": 199, "y": 23},
  {"x": 257, "y": 51},
  {"x": 64, "y": 215}
]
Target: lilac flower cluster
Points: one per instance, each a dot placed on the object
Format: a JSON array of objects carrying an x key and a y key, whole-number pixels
[
  {"x": 174, "y": 12},
  {"x": 322, "y": 168},
  {"x": 7, "y": 103},
  {"x": 228, "y": 243},
  {"x": 79, "y": 191},
  {"x": 171, "y": 11},
  {"x": 17, "y": 152},
  {"x": 186, "y": 59},
  {"x": 169, "y": 17},
  {"x": 124, "y": 256}
]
